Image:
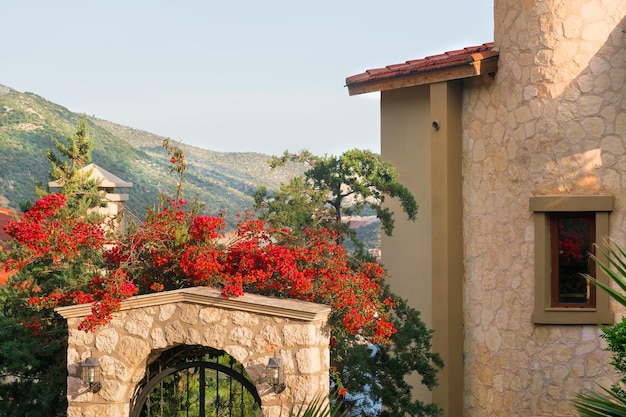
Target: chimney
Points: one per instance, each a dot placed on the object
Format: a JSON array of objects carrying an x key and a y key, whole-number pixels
[{"x": 113, "y": 201}]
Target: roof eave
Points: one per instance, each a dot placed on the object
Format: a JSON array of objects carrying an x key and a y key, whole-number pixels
[{"x": 479, "y": 64}]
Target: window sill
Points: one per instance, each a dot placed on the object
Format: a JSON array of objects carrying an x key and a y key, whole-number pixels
[{"x": 572, "y": 316}]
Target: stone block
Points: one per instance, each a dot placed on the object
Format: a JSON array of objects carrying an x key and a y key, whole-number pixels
[
  {"x": 309, "y": 360},
  {"x": 299, "y": 335}
]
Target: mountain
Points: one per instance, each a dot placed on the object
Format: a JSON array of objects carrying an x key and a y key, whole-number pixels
[{"x": 223, "y": 181}]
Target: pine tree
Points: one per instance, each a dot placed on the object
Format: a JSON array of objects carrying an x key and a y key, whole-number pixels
[
  {"x": 332, "y": 188},
  {"x": 33, "y": 350}
]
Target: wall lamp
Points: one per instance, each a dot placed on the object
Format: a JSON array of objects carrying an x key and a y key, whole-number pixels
[
  {"x": 90, "y": 374},
  {"x": 275, "y": 374}
]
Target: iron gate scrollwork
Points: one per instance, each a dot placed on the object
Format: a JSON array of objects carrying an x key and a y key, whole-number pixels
[{"x": 196, "y": 381}]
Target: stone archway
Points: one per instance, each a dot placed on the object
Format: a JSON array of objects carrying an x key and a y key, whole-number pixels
[{"x": 250, "y": 328}]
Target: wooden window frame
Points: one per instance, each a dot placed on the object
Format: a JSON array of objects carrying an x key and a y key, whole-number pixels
[{"x": 544, "y": 311}]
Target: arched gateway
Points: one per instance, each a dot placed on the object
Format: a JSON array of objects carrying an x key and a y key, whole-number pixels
[
  {"x": 195, "y": 381},
  {"x": 192, "y": 350}
]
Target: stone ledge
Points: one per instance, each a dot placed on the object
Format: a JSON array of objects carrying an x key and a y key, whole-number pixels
[{"x": 271, "y": 306}]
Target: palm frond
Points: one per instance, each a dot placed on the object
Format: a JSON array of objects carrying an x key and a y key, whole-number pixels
[
  {"x": 319, "y": 407},
  {"x": 613, "y": 262},
  {"x": 593, "y": 404}
]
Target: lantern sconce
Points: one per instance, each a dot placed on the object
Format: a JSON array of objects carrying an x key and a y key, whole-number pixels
[
  {"x": 90, "y": 374},
  {"x": 275, "y": 374}
]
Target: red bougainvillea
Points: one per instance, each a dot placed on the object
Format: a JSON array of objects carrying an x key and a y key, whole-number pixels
[
  {"x": 43, "y": 234},
  {"x": 176, "y": 247}
]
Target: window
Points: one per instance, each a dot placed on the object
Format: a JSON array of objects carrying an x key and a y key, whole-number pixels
[
  {"x": 572, "y": 239},
  {"x": 567, "y": 230}
]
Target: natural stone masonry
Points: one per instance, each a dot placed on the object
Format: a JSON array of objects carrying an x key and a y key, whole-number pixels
[
  {"x": 551, "y": 121},
  {"x": 249, "y": 328}
]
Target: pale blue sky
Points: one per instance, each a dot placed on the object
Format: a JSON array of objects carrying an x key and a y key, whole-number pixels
[{"x": 260, "y": 76}]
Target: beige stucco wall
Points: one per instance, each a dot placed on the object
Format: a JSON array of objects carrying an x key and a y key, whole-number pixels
[
  {"x": 251, "y": 329},
  {"x": 405, "y": 123},
  {"x": 421, "y": 136},
  {"x": 407, "y": 254},
  {"x": 552, "y": 121}
]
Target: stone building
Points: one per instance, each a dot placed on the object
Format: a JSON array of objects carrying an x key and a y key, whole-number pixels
[{"x": 511, "y": 148}]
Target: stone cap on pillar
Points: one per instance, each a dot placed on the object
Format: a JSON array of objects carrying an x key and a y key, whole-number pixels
[
  {"x": 106, "y": 179},
  {"x": 106, "y": 182}
]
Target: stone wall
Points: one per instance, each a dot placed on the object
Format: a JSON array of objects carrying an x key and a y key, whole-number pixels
[
  {"x": 552, "y": 121},
  {"x": 249, "y": 328}
]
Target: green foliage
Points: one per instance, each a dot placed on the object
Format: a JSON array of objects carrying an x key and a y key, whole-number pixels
[
  {"x": 615, "y": 268},
  {"x": 376, "y": 373},
  {"x": 32, "y": 367},
  {"x": 332, "y": 407},
  {"x": 613, "y": 401},
  {"x": 613, "y": 263},
  {"x": 338, "y": 186},
  {"x": 75, "y": 154},
  {"x": 296, "y": 204},
  {"x": 9, "y": 117},
  {"x": 333, "y": 187},
  {"x": 594, "y": 404},
  {"x": 410, "y": 351},
  {"x": 32, "y": 370},
  {"x": 33, "y": 350},
  {"x": 616, "y": 343}
]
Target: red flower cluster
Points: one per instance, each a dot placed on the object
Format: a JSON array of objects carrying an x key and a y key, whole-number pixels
[
  {"x": 571, "y": 248},
  {"x": 44, "y": 233},
  {"x": 108, "y": 294},
  {"x": 175, "y": 247}
]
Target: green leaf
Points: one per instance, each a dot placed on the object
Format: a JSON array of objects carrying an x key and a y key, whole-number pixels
[
  {"x": 319, "y": 407},
  {"x": 593, "y": 404}
]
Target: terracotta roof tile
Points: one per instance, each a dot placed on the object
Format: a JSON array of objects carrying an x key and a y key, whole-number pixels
[
  {"x": 397, "y": 67},
  {"x": 4, "y": 276},
  {"x": 430, "y": 63},
  {"x": 457, "y": 52},
  {"x": 5, "y": 216}
]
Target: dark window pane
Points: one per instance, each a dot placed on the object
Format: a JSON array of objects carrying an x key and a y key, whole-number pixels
[{"x": 572, "y": 241}]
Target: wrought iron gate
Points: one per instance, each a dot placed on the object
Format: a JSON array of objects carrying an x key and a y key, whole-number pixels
[{"x": 200, "y": 385}]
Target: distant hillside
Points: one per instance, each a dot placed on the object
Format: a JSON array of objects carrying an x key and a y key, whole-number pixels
[{"x": 223, "y": 181}]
